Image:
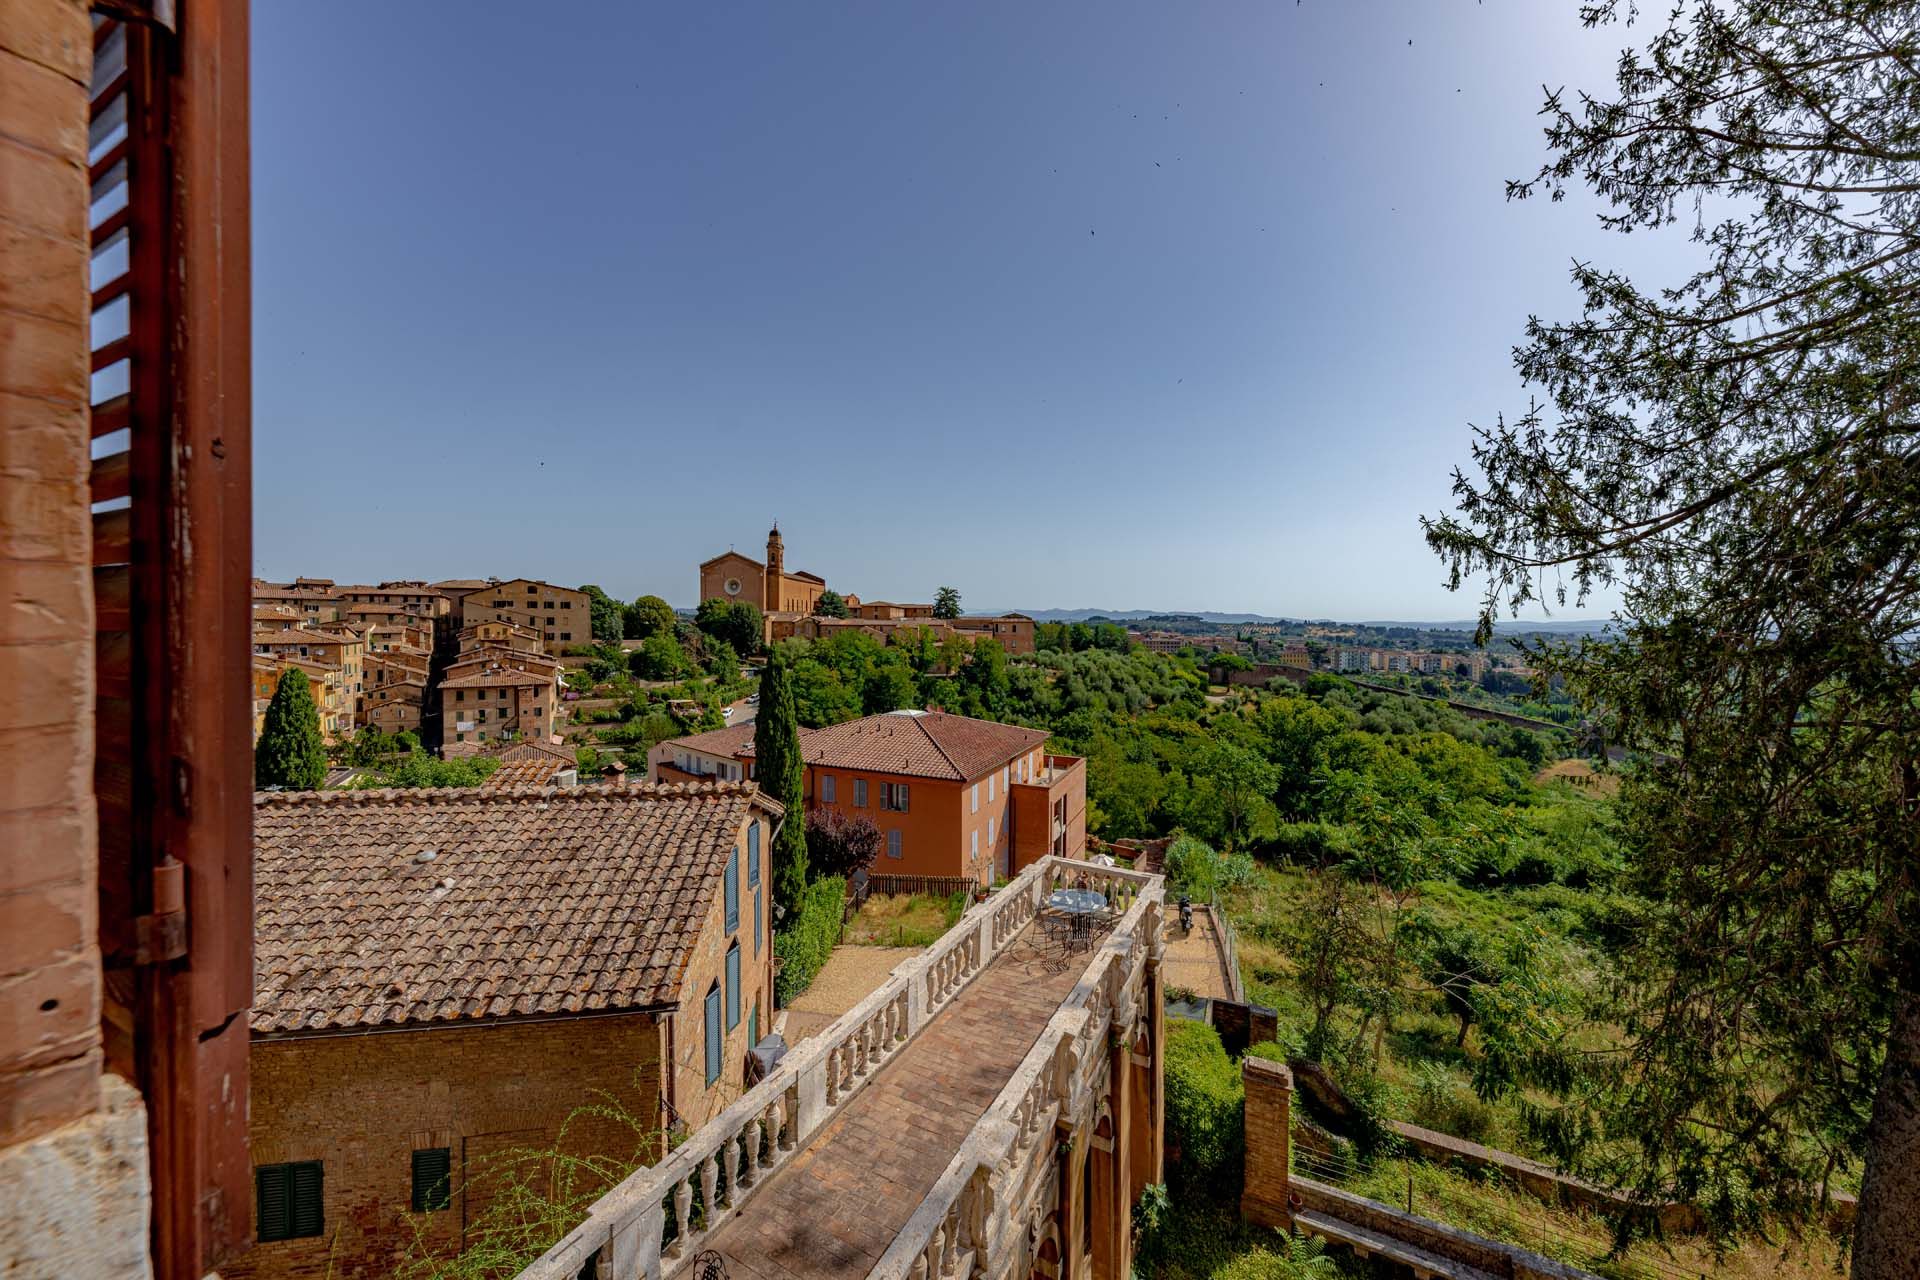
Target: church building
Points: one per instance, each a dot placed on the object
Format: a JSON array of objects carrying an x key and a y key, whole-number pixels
[{"x": 732, "y": 576}]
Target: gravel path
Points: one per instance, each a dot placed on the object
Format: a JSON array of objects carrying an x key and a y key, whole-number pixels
[{"x": 849, "y": 976}]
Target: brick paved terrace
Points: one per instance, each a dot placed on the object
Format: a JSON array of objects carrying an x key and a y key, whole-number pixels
[{"x": 861, "y": 1153}]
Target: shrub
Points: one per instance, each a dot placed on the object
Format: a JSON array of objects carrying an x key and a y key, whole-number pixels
[
  {"x": 1195, "y": 869},
  {"x": 1205, "y": 1101},
  {"x": 838, "y": 845},
  {"x": 809, "y": 936}
]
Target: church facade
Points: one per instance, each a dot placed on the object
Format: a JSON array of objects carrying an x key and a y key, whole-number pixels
[{"x": 732, "y": 576}]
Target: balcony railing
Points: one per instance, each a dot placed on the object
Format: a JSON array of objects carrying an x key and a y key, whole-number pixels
[
  {"x": 968, "y": 1225},
  {"x": 650, "y": 1225}
]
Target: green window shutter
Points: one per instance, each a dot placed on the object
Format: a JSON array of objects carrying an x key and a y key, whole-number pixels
[
  {"x": 733, "y": 986},
  {"x": 731, "y": 884},
  {"x": 711, "y": 1015},
  {"x": 432, "y": 1189},
  {"x": 272, "y": 1194},
  {"x": 309, "y": 1217}
]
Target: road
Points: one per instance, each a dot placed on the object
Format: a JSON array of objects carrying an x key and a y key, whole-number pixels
[{"x": 742, "y": 713}]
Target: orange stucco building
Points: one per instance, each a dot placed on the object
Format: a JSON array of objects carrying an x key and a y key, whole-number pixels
[{"x": 952, "y": 796}]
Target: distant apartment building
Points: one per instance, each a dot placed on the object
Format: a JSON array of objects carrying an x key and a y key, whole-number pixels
[
  {"x": 1293, "y": 655},
  {"x": 494, "y": 704},
  {"x": 1347, "y": 659},
  {"x": 1013, "y": 631},
  {"x": 1175, "y": 641},
  {"x": 952, "y": 796},
  {"x": 313, "y": 602},
  {"x": 560, "y": 615},
  {"x": 417, "y": 1015},
  {"x": 417, "y": 598},
  {"x": 332, "y": 703},
  {"x": 343, "y": 651}
]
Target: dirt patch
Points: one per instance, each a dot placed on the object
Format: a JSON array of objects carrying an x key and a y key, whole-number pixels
[
  {"x": 1580, "y": 775},
  {"x": 903, "y": 920},
  {"x": 850, "y": 975}
]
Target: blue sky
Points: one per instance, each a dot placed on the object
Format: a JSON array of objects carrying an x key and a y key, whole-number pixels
[{"x": 1118, "y": 305}]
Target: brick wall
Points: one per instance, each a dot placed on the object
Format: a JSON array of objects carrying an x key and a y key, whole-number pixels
[
  {"x": 693, "y": 1098},
  {"x": 1269, "y": 1107},
  {"x": 363, "y": 1103},
  {"x": 49, "y": 961}
]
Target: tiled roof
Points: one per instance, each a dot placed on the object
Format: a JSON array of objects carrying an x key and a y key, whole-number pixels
[
  {"x": 917, "y": 744},
  {"x": 720, "y": 742},
  {"x": 534, "y": 749},
  {"x": 922, "y": 744},
  {"x": 296, "y": 635},
  {"x": 535, "y": 901},
  {"x": 528, "y": 772},
  {"x": 496, "y": 679},
  {"x": 454, "y": 586}
]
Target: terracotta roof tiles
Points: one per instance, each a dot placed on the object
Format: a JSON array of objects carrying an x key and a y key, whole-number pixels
[{"x": 534, "y": 902}]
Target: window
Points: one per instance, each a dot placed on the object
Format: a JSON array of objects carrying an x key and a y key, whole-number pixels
[
  {"x": 566, "y": 635},
  {"x": 753, "y": 852},
  {"x": 989, "y": 833},
  {"x": 712, "y": 1014},
  {"x": 826, "y": 788},
  {"x": 757, "y": 926},
  {"x": 733, "y": 890},
  {"x": 566, "y": 604},
  {"x": 975, "y": 843},
  {"x": 288, "y": 1200},
  {"x": 893, "y": 844},
  {"x": 974, "y": 806},
  {"x": 432, "y": 1180},
  {"x": 733, "y": 986},
  {"x": 990, "y": 782},
  {"x": 859, "y": 793},
  {"x": 893, "y": 796},
  {"x": 459, "y": 695}
]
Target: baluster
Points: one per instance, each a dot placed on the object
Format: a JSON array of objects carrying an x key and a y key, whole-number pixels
[
  {"x": 777, "y": 1123},
  {"x": 846, "y": 1065},
  {"x": 682, "y": 1207},
  {"x": 733, "y": 1172},
  {"x": 833, "y": 1076},
  {"x": 860, "y": 1050},
  {"x": 753, "y": 1152},
  {"x": 950, "y": 1230},
  {"x": 709, "y": 1175},
  {"x": 936, "y": 1250},
  {"x": 900, "y": 1014}
]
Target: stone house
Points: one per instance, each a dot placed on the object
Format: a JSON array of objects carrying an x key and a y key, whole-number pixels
[
  {"x": 449, "y": 976},
  {"x": 560, "y": 616}
]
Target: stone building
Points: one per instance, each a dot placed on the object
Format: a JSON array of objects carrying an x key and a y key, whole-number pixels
[{"x": 447, "y": 977}]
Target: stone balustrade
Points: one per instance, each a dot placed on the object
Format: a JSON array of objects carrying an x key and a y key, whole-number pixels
[
  {"x": 974, "y": 1221},
  {"x": 652, "y": 1224}
]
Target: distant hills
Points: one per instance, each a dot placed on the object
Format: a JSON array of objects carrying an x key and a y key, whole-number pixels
[{"x": 1508, "y": 626}]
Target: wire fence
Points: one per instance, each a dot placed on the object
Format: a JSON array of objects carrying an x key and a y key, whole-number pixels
[{"x": 1516, "y": 1218}]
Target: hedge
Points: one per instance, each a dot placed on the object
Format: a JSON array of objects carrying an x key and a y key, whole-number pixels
[
  {"x": 1205, "y": 1102},
  {"x": 809, "y": 938}
]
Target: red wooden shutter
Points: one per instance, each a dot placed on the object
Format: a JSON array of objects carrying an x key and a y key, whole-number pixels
[{"x": 172, "y": 545}]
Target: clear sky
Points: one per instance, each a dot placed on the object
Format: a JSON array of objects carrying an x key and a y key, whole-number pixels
[{"x": 1127, "y": 305}]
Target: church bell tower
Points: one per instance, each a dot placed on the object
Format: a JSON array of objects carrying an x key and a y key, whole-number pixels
[{"x": 776, "y": 571}]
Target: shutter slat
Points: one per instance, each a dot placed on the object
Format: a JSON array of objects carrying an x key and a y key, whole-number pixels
[
  {"x": 112, "y": 597},
  {"x": 112, "y": 537},
  {"x": 112, "y": 415},
  {"x": 113, "y": 353},
  {"x": 111, "y": 478},
  {"x": 111, "y": 227}
]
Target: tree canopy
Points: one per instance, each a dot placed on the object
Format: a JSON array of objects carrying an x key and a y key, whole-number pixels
[
  {"x": 946, "y": 603},
  {"x": 1736, "y": 455},
  {"x": 605, "y": 613},
  {"x": 290, "y": 752},
  {"x": 648, "y": 616},
  {"x": 781, "y": 772},
  {"x": 738, "y": 624},
  {"x": 831, "y": 604}
]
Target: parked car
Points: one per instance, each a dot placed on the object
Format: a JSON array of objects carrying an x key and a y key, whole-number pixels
[
  {"x": 726, "y": 713},
  {"x": 753, "y": 699}
]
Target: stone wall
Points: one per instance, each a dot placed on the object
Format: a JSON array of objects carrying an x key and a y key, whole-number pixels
[
  {"x": 49, "y": 957},
  {"x": 76, "y": 1202}
]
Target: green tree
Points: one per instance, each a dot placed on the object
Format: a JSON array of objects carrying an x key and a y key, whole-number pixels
[
  {"x": 290, "y": 753},
  {"x": 648, "y": 616},
  {"x": 1227, "y": 800},
  {"x": 831, "y": 604},
  {"x": 605, "y": 613},
  {"x": 1736, "y": 456},
  {"x": 738, "y": 624},
  {"x": 659, "y": 657},
  {"x": 946, "y": 603},
  {"x": 781, "y": 772},
  {"x": 888, "y": 687}
]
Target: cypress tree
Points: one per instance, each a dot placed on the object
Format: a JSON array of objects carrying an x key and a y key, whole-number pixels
[
  {"x": 781, "y": 772},
  {"x": 289, "y": 753}
]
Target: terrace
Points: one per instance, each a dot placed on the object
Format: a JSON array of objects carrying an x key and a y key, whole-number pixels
[{"x": 953, "y": 1123}]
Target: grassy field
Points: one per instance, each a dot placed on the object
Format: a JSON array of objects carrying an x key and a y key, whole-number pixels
[{"x": 903, "y": 920}]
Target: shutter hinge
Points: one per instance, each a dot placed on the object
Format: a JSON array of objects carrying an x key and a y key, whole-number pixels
[{"x": 162, "y": 936}]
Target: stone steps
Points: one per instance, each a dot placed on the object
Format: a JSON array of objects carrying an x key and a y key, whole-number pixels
[{"x": 1424, "y": 1264}]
